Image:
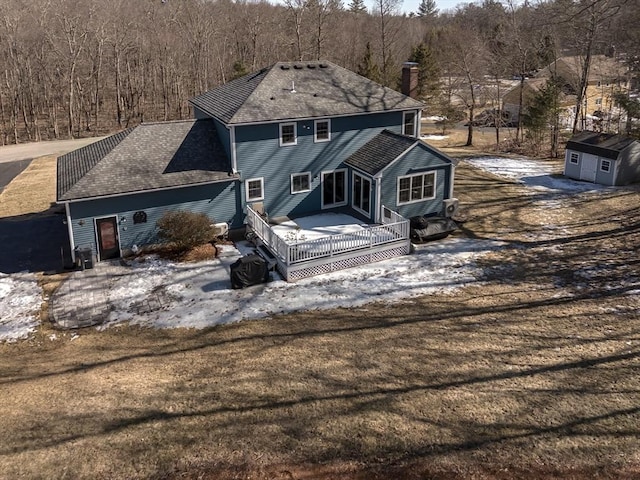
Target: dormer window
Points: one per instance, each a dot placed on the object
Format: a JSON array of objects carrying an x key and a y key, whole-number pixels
[
  {"x": 322, "y": 131},
  {"x": 409, "y": 123},
  {"x": 288, "y": 134}
]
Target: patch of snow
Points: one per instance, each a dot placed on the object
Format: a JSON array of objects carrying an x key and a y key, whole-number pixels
[
  {"x": 434, "y": 137},
  {"x": 539, "y": 174},
  {"x": 20, "y": 301},
  {"x": 201, "y": 294},
  {"x": 434, "y": 118}
]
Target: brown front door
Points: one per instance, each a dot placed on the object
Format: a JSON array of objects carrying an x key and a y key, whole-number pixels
[{"x": 108, "y": 245}]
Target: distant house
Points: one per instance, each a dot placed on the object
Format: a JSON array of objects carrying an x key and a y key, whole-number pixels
[
  {"x": 530, "y": 88},
  {"x": 606, "y": 77},
  {"x": 289, "y": 140},
  {"x": 604, "y": 158}
]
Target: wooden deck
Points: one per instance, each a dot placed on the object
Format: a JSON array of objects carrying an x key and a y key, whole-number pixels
[{"x": 300, "y": 259}]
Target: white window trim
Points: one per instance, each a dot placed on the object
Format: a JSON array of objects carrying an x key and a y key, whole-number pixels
[
  {"x": 315, "y": 130},
  {"x": 308, "y": 174},
  {"x": 415, "y": 122},
  {"x": 573, "y": 155},
  {"x": 246, "y": 189},
  {"x": 602, "y": 162},
  {"x": 424, "y": 199},
  {"x": 295, "y": 134}
]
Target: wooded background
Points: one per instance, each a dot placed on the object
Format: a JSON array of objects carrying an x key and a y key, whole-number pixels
[{"x": 74, "y": 68}]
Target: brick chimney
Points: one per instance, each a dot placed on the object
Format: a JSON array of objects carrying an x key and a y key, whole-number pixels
[{"x": 410, "y": 79}]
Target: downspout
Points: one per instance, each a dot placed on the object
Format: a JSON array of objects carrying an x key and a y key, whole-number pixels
[
  {"x": 378, "y": 218},
  {"x": 419, "y": 124},
  {"x": 453, "y": 176},
  {"x": 70, "y": 229},
  {"x": 232, "y": 140}
]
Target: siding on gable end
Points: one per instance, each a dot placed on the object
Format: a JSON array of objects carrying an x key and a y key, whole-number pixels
[
  {"x": 259, "y": 154},
  {"x": 219, "y": 201},
  {"x": 419, "y": 160}
]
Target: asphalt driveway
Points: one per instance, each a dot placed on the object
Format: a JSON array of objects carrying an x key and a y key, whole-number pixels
[
  {"x": 10, "y": 170},
  {"x": 34, "y": 244}
]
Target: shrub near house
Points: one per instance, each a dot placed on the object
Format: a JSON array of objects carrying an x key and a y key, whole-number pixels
[{"x": 185, "y": 230}]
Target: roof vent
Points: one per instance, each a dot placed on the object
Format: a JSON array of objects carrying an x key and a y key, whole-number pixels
[
  {"x": 297, "y": 66},
  {"x": 323, "y": 65},
  {"x": 311, "y": 65},
  {"x": 293, "y": 87},
  {"x": 285, "y": 67},
  {"x": 273, "y": 98},
  {"x": 315, "y": 94}
]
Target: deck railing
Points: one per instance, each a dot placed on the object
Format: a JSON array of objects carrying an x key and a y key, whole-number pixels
[{"x": 394, "y": 228}]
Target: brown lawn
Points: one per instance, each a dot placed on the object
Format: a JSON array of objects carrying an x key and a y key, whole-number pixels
[{"x": 530, "y": 372}]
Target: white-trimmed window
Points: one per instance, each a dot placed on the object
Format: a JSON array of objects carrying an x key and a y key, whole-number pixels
[
  {"x": 574, "y": 157},
  {"x": 301, "y": 182},
  {"x": 322, "y": 130},
  {"x": 288, "y": 134},
  {"x": 605, "y": 165},
  {"x": 254, "y": 189},
  {"x": 409, "y": 123},
  {"x": 599, "y": 101},
  {"x": 416, "y": 188}
]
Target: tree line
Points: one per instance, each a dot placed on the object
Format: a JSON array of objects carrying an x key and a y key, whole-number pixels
[{"x": 73, "y": 68}]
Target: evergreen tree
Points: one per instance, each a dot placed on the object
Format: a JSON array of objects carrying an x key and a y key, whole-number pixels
[
  {"x": 631, "y": 107},
  {"x": 357, "y": 6},
  {"x": 369, "y": 68},
  {"x": 427, "y": 8},
  {"x": 428, "y": 71},
  {"x": 543, "y": 114},
  {"x": 239, "y": 70}
]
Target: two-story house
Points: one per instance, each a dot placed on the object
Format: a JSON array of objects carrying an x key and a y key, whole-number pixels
[{"x": 292, "y": 139}]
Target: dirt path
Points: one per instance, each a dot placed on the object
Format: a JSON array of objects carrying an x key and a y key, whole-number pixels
[{"x": 532, "y": 371}]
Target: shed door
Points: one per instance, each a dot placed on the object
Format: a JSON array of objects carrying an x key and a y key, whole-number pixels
[
  {"x": 589, "y": 168},
  {"x": 108, "y": 243}
]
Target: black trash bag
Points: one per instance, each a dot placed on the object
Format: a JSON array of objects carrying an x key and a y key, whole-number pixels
[{"x": 249, "y": 270}]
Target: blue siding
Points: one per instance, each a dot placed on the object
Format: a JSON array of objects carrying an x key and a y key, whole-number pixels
[
  {"x": 259, "y": 154},
  {"x": 220, "y": 201},
  {"x": 419, "y": 159}
]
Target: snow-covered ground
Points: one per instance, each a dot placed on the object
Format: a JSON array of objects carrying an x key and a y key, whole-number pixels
[
  {"x": 20, "y": 301},
  {"x": 199, "y": 295},
  {"x": 538, "y": 174}
]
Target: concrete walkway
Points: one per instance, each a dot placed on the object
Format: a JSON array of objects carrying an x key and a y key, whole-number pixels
[{"x": 82, "y": 300}]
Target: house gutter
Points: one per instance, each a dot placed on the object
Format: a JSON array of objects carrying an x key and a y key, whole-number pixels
[{"x": 153, "y": 190}]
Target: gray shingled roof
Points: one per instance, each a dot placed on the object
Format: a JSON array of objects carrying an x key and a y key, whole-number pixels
[
  {"x": 607, "y": 145},
  {"x": 380, "y": 151},
  {"x": 147, "y": 157},
  {"x": 290, "y": 90}
]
